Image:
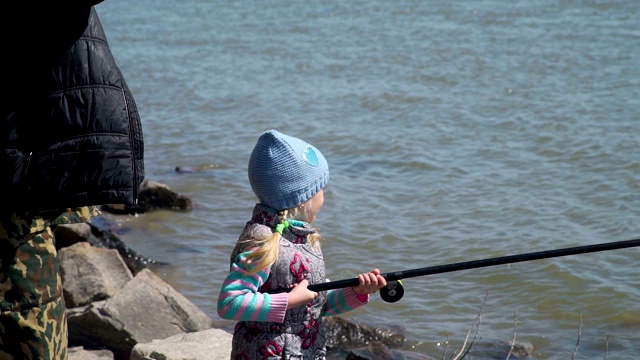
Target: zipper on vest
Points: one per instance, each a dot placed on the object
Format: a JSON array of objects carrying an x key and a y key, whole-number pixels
[{"x": 27, "y": 162}]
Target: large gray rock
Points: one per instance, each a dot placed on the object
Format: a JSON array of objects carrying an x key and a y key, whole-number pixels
[
  {"x": 149, "y": 299},
  {"x": 211, "y": 344},
  {"x": 100, "y": 237},
  {"x": 91, "y": 274},
  {"x": 92, "y": 328},
  {"x": 147, "y": 308}
]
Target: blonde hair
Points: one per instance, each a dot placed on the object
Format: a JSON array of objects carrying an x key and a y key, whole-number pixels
[{"x": 269, "y": 245}]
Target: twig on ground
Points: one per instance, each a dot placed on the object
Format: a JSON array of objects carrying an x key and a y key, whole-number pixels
[
  {"x": 578, "y": 342},
  {"x": 515, "y": 329},
  {"x": 461, "y": 353},
  {"x": 464, "y": 351},
  {"x": 446, "y": 346}
]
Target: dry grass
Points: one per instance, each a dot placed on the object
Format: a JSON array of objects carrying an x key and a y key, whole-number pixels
[{"x": 467, "y": 345}]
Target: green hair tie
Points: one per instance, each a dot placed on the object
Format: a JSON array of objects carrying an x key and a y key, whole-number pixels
[
  {"x": 280, "y": 227},
  {"x": 297, "y": 223}
]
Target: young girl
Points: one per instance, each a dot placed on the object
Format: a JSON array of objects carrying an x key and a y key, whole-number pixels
[{"x": 280, "y": 249}]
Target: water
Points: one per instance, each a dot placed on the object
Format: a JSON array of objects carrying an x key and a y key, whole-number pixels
[{"x": 454, "y": 131}]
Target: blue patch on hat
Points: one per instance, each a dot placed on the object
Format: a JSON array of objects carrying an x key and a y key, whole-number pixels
[{"x": 309, "y": 155}]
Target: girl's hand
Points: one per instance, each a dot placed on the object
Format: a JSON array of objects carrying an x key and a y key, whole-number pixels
[
  {"x": 370, "y": 282},
  {"x": 300, "y": 295}
]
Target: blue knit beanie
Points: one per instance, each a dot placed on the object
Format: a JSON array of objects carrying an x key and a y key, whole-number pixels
[{"x": 285, "y": 171}]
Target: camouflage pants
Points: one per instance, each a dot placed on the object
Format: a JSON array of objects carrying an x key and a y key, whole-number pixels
[{"x": 33, "y": 324}]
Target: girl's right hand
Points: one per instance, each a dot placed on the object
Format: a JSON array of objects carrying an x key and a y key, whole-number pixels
[{"x": 300, "y": 295}]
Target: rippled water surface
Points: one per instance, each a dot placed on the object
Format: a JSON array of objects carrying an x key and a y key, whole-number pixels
[{"x": 454, "y": 131}]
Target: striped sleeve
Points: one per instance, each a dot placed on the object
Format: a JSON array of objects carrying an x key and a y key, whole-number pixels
[
  {"x": 240, "y": 300},
  {"x": 340, "y": 301}
]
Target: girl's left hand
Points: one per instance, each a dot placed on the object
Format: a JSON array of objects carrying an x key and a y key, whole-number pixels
[{"x": 370, "y": 282}]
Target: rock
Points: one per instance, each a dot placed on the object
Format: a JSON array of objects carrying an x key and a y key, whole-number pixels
[
  {"x": 121, "y": 209},
  {"x": 360, "y": 341},
  {"x": 500, "y": 349},
  {"x": 146, "y": 308},
  {"x": 185, "y": 170},
  {"x": 91, "y": 274},
  {"x": 377, "y": 350},
  {"x": 69, "y": 234},
  {"x": 78, "y": 353},
  {"x": 344, "y": 333},
  {"x": 194, "y": 169},
  {"x": 153, "y": 195},
  {"x": 147, "y": 299},
  {"x": 90, "y": 328},
  {"x": 210, "y": 344}
]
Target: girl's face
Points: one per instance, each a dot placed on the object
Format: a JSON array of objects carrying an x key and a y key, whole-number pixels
[{"x": 313, "y": 205}]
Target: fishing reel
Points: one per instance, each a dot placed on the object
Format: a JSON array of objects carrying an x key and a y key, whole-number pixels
[{"x": 392, "y": 292}]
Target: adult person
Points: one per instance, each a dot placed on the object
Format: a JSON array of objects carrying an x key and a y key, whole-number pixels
[{"x": 70, "y": 140}]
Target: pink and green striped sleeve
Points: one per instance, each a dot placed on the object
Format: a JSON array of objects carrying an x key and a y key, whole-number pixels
[
  {"x": 340, "y": 301},
  {"x": 240, "y": 300}
]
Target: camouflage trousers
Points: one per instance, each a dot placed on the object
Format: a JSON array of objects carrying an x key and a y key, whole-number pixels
[{"x": 33, "y": 324}]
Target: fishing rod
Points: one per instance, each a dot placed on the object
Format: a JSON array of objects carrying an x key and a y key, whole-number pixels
[{"x": 394, "y": 290}]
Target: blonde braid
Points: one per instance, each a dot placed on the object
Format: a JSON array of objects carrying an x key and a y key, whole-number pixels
[{"x": 269, "y": 247}]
